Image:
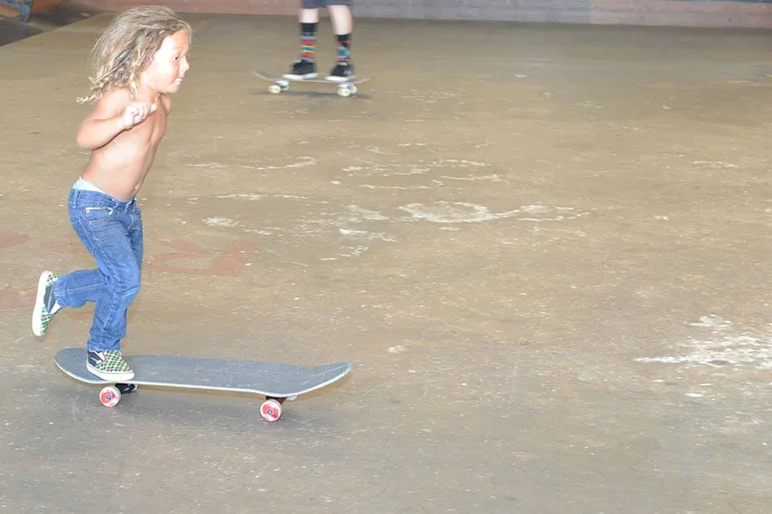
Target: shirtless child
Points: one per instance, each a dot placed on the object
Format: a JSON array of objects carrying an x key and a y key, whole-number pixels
[{"x": 139, "y": 60}]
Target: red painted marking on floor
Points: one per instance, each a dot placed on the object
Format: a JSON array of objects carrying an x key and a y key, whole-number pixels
[
  {"x": 229, "y": 262},
  {"x": 9, "y": 238}
]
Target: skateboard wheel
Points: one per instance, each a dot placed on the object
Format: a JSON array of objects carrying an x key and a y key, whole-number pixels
[
  {"x": 353, "y": 88},
  {"x": 270, "y": 410},
  {"x": 344, "y": 91},
  {"x": 292, "y": 398},
  {"x": 275, "y": 89},
  {"x": 110, "y": 396}
]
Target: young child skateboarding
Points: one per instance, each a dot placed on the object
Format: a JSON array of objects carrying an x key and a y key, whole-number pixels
[
  {"x": 138, "y": 62},
  {"x": 342, "y": 24}
]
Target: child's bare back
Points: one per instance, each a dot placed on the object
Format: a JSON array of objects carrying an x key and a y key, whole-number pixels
[{"x": 119, "y": 166}]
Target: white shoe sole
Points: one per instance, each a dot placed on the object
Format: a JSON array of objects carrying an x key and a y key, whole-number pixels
[
  {"x": 333, "y": 78},
  {"x": 109, "y": 377},
  {"x": 37, "y": 310},
  {"x": 310, "y": 76}
]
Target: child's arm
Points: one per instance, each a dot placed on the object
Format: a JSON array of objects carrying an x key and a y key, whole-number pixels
[{"x": 113, "y": 114}]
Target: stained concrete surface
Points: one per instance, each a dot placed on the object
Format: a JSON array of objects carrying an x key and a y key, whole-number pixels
[
  {"x": 12, "y": 30},
  {"x": 545, "y": 250}
]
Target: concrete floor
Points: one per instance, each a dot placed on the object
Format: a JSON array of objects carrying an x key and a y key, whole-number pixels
[{"x": 545, "y": 250}]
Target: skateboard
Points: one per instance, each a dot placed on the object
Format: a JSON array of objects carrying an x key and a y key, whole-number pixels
[
  {"x": 276, "y": 381},
  {"x": 280, "y": 84}
]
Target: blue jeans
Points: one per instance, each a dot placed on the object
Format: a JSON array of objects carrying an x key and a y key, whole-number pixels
[{"x": 111, "y": 231}]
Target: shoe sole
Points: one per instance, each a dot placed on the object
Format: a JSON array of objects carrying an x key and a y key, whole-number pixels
[
  {"x": 301, "y": 77},
  {"x": 37, "y": 311},
  {"x": 332, "y": 78},
  {"x": 109, "y": 377}
]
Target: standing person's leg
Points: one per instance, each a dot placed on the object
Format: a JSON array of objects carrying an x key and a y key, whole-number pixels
[
  {"x": 342, "y": 25},
  {"x": 308, "y": 19},
  {"x": 136, "y": 242},
  {"x": 106, "y": 227},
  {"x": 107, "y": 234}
]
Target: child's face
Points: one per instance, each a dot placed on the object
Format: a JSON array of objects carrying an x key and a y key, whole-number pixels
[{"x": 165, "y": 72}]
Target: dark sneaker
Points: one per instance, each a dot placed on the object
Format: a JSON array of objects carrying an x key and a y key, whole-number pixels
[
  {"x": 301, "y": 70},
  {"x": 109, "y": 365},
  {"x": 342, "y": 72},
  {"x": 45, "y": 303}
]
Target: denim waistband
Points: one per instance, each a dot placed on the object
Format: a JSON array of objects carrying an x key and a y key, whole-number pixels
[{"x": 94, "y": 198}]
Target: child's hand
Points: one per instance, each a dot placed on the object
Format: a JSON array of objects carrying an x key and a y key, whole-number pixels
[{"x": 136, "y": 112}]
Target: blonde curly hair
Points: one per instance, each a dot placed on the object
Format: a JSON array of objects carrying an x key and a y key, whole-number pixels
[{"x": 127, "y": 46}]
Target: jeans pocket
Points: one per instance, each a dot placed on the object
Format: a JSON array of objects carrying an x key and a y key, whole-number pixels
[{"x": 96, "y": 215}]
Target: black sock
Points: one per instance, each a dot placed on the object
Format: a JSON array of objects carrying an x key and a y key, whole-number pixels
[{"x": 344, "y": 48}]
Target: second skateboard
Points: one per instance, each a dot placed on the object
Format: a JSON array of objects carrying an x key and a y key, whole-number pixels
[{"x": 281, "y": 84}]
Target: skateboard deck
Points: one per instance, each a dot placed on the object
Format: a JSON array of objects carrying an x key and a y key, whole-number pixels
[
  {"x": 346, "y": 88},
  {"x": 276, "y": 381}
]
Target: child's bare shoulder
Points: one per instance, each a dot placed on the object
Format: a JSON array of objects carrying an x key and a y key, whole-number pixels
[{"x": 112, "y": 102}]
